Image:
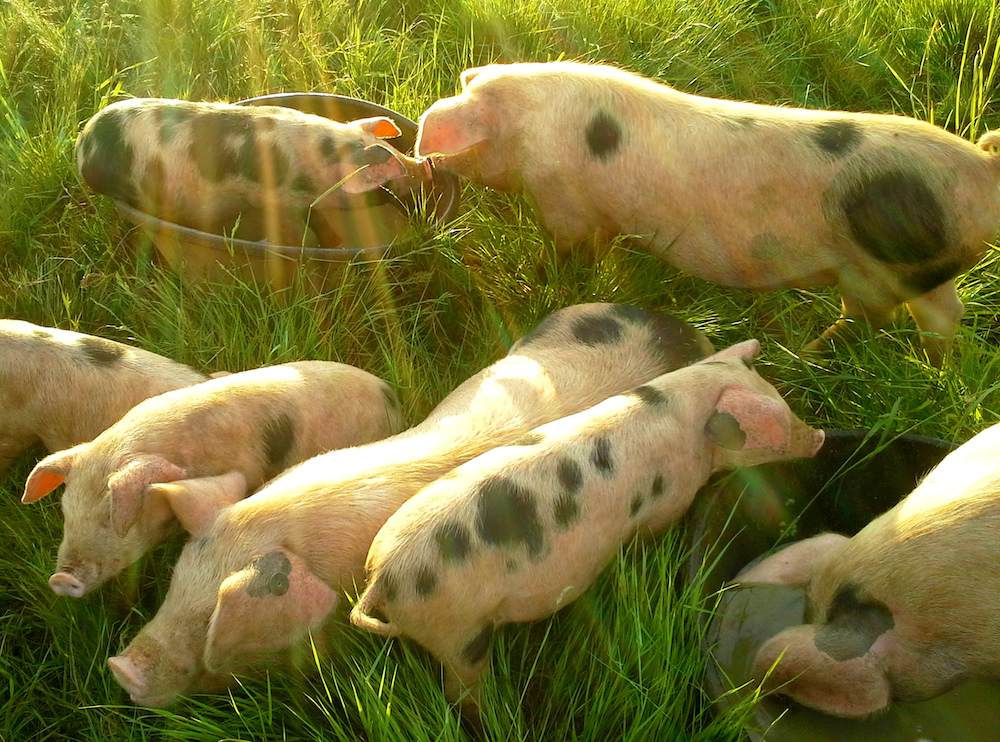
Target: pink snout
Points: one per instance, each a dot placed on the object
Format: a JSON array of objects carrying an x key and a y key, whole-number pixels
[
  {"x": 63, "y": 583},
  {"x": 132, "y": 679}
]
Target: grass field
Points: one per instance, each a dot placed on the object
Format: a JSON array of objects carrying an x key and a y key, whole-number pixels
[{"x": 623, "y": 661}]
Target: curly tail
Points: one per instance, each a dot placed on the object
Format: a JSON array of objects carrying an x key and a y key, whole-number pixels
[
  {"x": 361, "y": 614},
  {"x": 990, "y": 142}
]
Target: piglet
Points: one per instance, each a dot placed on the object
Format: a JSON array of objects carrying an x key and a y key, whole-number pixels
[
  {"x": 61, "y": 388},
  {"x": 237, "y": 431},
  {"x": 888, "y": 208},
  {"x": 521, "y": 531},
  {"x": 248, "y": 171},
  {"x": 262, "y": 573},
  {"x": 905, "y": 609}
]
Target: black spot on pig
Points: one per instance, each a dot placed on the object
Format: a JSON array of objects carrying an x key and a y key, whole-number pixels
[
  {"x": 303, "y": 184},
  {"x": 476, "y": 650},
  {"x": 566, "y": 511},
  {"x": 507, "y": 515},
  {"x": 424, "y": 582},
  {"x": 211, "y": 150},
  {"x": 101, "y": 352},
  {"x": 853, "y": 623},
  {"x": 726, "y": 431},
  {"x": 279, "y": 440},
  {"x": 329, "y": 149},
  {"x": 837, "y": 138},
  {"x": 109, "y": 158},
  {"x": 677, "y": 342},
  {"x": 650, "y": 395},
  {"x": 171, "y": 119},
  {"x": 923, "y": 280},
  {"x": 603, "y": 135},
  {"x": 453, "y": 542},
  {"x": 374, "y": 154},
  {"x": 389, "y": 585},
  {"x": 895, "y": 217},
  {"x": 531, "y": 438},
  {"x": 637, "y": 501},
  {"x": 657, "y": 488},
  {"x": 570, "y": 476},
  {"x": 270, "y": 575},
  {"x": 599, "y": 330},
  {"x": 600, "y": 457}
]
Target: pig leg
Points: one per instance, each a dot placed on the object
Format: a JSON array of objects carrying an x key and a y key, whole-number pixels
[
  {"x": 938, "y": 311},
  {"x": 795, "y": 564},
  {"x": 465, "y": 655},
  {"x": 877, "y": 313}
]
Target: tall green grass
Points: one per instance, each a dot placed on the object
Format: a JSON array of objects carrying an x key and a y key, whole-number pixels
[{"x": 625, "y": 660}]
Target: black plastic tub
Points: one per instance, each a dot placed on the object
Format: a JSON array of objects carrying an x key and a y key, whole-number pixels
[{"x": 741, "y": 516}]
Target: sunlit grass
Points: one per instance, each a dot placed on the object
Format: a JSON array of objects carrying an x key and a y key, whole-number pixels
[{"x": 625, "y": 660}]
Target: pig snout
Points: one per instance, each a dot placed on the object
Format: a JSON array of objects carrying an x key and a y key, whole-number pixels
[
  {"x": 806, "y": 441},
  {"x": 64, "y": 583},
  {"x": 155, "y": 674}
]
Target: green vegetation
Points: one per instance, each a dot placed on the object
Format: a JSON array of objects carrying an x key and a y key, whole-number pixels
[{"x": 622, "y": 662}]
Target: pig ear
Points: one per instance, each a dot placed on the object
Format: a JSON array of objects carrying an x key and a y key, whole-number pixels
[
  {"x": 49, "y": 473},
  {"x": 196, "y": 502},
  {"x": 743, "y": 420},
  {"x": 264, "y": 607},
  {"x": 382, "y": 127},
  {"x": 128, "y": 484},
  {"x": 745, "y": 351},
  {"x": 469, "y": 75}
]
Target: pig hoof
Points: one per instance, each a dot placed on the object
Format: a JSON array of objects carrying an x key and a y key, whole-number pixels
[{"x": 63, "y": 583}]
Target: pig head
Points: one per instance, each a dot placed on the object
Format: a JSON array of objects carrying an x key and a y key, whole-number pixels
[
  {"x": 113, "y": 513},
  {"x": 223, "y": 609}
]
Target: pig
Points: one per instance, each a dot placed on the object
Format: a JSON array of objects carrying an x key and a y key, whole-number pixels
[
  {"x": 903, "y": 610},
  {"x": 240, "y": 430},
  {"x": 61, "y": 388},
  {"x": 251, "y": 172},
  {"x": 521, "y": 531},
  {"x": 260, "y": 574},
  {"x": 888, "y": 208}
]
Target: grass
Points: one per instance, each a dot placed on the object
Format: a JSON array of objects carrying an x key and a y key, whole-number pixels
[{"x": 623, "y": 661}]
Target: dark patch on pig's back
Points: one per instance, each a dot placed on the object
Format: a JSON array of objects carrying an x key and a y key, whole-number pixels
[
  {"x": 837, "y": 138},
  {"x": 601, "y": 456},
  {"x": 212, "y": 132},
  {"x": 599, "y": 330},
  {"x": 925, "y": 278},
  {"x": 101, "y": 352},
  {"x": 278, "y": 436},
  {"x": 424, "y": 581},
  {"x": 454, "y": 542},
  {"x": 566, "y": 510},
  {"x": 651, "y": 396},
  {"x": 677, "y": 342},
  {"x": 270, "y": 575},
  {"x": 604, "y": 135},
  {"x": 895, "y": 217},
  {"x": 108, "y": 158},
  {"x": 853, "y": 624},
  {"x": 507, "y": 515}
]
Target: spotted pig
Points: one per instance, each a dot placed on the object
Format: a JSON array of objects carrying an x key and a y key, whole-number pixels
[
  {"x": 888, "y": 208},
  {"x": 248, "y": 171},
  {"x": 263, "y": 572},
  {"x": 906, "y": 608},
  {"x": 170, "y": 455},
  {"x": 61, "y": 388},
  {"x": 521, "y": 531}
]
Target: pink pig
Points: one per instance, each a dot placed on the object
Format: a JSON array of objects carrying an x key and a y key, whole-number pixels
[
  {"x": 904, "y": 610},
  {"x": 521, "y": 531},
  {"x": 61, "y": 388},
  {"x": 888, "y": 208},
  {"x": 262, "y": 573},
  {"x": 220, "y": 167},
  {"x": 241, "y": 430}
]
